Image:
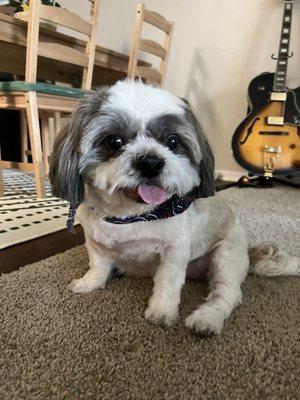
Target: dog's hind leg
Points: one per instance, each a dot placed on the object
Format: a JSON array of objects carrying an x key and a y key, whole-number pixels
[{"x": 230, "y": 264}]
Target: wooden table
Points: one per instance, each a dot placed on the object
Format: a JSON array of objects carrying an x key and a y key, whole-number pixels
[{"x": 109, "y": 67}]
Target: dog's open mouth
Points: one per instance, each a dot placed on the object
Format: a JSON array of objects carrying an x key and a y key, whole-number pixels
[{"x": 150, "y": 194}]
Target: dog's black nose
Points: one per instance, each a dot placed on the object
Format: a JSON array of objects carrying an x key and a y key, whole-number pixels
[{"x": 150, "y": 165}]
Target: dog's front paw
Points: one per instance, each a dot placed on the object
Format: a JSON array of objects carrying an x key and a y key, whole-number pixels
[
  {"x": 206, "y": 320},
  {"x": 161, "y": 313},
  {"x": 160, "y": 317},
  {"x": 85, "y": 285}
]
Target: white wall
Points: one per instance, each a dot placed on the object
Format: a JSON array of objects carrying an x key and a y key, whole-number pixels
[{"x": 218, "y": 46}]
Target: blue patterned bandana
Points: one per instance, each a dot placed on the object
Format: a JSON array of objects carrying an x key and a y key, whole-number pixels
[
  {"x": 71, "y": 217},
  {"x": 174, "y": 206},
  {"x": 170, "y": 208}
]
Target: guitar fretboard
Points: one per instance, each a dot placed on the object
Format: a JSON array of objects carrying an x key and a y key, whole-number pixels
[{"x": 284, "y": 46}]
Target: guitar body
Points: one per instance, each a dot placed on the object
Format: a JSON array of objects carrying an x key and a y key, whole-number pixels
[
  {"x": 258, "y": 133},
  {"x": 297, "y": 93}
]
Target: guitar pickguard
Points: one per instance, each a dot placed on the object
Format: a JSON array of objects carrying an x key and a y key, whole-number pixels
[{"x": 296, "y": 120}]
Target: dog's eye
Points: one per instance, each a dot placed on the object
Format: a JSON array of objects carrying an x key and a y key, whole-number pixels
[
  {"x": 173, "y": 142},
  {"x": 114, "y": 142}
]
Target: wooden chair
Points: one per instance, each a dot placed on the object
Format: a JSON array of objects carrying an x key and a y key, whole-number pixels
[
  {"x": 34, "y": 98},
  {"x": 150, "y": 46}
]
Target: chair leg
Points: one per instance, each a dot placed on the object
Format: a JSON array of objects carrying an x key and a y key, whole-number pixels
[
  {"x": 35, "y": 142},
  {"x": 1, "y": 179},
  {"x": 57, "y": 122},
  {"x": 24, "y": 136},
  {"x": 1, "y": 183},
  {"x": 46, "y": 140}
]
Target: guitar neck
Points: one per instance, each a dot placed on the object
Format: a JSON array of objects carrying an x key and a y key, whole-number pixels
[{"x": 284, "y": 46}]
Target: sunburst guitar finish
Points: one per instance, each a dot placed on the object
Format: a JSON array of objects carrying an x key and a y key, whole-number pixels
[{"x": 267, "y": 142}]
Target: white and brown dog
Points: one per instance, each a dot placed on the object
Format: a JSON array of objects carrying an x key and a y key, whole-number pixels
[{"x": 135, "y": 159}]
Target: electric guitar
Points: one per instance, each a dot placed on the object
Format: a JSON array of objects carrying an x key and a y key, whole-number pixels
[{"x": 267, "y": 142}]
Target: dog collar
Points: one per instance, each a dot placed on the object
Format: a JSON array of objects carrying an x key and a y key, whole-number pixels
[
  {"x": 174, "y": 206},
  {"x": 71, "y": 217}
]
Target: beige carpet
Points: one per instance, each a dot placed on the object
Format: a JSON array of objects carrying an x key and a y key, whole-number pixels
[{"x": 58, "y": 345}]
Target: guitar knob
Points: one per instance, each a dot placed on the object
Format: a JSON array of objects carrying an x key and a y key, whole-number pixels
[{"x": 292, "y": 146}]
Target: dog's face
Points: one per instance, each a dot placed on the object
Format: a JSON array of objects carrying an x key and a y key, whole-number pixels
[{"x": 132, "y": 141}]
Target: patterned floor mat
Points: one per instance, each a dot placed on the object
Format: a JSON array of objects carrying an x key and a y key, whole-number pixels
[{"x": 24, "y": 217}]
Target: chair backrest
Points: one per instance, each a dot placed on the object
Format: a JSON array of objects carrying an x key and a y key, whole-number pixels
[
  {"x": 58, "y": 51},
  {"x": 150, "y": 46}
]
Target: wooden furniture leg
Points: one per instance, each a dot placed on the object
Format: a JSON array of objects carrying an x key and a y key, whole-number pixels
[
  {"x": 35, "y": 143},
  {"x": 57, "y": 122},
  {"x": 45, "y": 139},
  {"x": 24, "y": 136},
  {"x": 1, "y": 179}
]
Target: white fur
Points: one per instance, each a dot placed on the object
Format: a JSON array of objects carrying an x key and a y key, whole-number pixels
[
  {"x": 142, "y": 102},
  {"x": 163, "y": 249},
  {"x": 268, "y": 260},
  {"x": 178, "y": 176},
  {"x": 206, "y": 239}
]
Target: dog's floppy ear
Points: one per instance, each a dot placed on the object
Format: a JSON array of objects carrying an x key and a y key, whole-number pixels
[
  {"x": 64, "y": 167},
  {"x": 65, "y": 177},
  {"x": 207, "y": 163},
  {"x": 206, "y": 171}
]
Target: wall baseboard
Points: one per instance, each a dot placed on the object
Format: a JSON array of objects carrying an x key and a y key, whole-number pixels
[{"x": 228, "y": 175}]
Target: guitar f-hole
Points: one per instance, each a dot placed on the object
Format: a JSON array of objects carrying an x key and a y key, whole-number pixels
[{"x": 249, "y": 130}]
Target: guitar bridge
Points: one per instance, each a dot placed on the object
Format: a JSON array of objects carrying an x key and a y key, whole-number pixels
[{"x": 272, "y": 149}]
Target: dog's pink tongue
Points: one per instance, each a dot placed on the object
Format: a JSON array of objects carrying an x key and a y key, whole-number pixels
[{"x": 152, "y": 194}]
